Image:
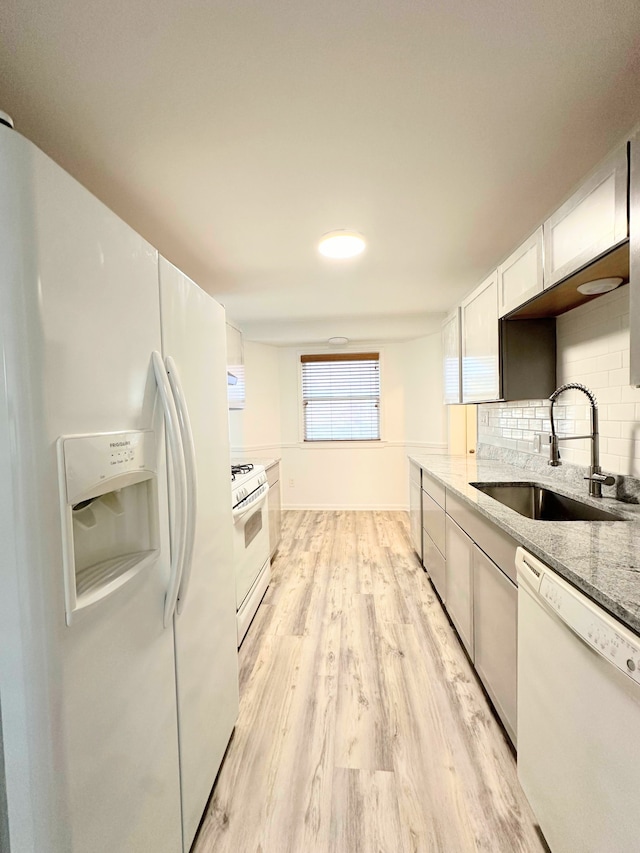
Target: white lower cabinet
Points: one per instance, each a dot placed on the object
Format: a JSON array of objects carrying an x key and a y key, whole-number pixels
[
  {"x": 274, "y": 504},
  {"x": 459, "y": 582},
  {"x": 434, "y": 564},
  {"x": 433, "y": 521},
  {"x": 495, "y": 632},
  {"x": 415, "y": 508},
  {"x": 433, "y": 532},
  {"x": 473, "y": 571}
]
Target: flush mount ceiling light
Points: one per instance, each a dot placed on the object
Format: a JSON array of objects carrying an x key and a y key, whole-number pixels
[
  {"x": 338, "y": 341},
  {"x": 342, "y": 244},
  {"x": 600, "y": 285}
]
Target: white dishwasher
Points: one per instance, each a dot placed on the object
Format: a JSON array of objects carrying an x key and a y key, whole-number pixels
[{"x": 578, "y": 716}]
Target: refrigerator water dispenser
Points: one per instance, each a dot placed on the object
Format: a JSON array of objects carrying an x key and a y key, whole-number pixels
[{"x": 108, "y": 494}]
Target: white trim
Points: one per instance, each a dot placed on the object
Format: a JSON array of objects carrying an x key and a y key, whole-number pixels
[
  {"x": 347, "y": 508},
  {"x": 431, "y": 445},
  {"x": 276, "y": 449},
  {"x": 374, "y": 444},
  {"x": 255, "y": 448}
]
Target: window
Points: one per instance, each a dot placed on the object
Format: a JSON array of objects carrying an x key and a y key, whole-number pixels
[{"x": 341, "y": 396}]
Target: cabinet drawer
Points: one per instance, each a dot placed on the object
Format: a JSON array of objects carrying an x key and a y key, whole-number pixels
[
  {"x": 495, "y": 628},
  {"x": 493, "y": 541},
  {"x": 593, "y": 220},
  {"x": 433, "y": 521},
  {"x": 434, "y": 489},
  {"x": 434, "y": 563}
]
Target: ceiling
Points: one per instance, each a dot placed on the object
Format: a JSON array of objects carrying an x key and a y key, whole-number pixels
[{"x": 232, "y": 135}]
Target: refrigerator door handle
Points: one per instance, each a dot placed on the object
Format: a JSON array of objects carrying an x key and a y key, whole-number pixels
[
  {"x": 179, "y": 511},
  {"x": 189, "y": 452}
]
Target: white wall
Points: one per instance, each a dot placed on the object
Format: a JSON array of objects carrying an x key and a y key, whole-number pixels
[
  {"x": 363, "y": 475},
  {"x": 593, "y": 348},
  {"x": 257, "y": 427},
  {"x": 425, "y": 415}
]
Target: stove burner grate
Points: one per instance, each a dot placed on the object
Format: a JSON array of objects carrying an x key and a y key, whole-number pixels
[{"x": 240, "y": 469}]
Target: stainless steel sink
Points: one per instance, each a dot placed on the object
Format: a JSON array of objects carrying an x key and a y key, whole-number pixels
[{"x": 543, "y": 504}]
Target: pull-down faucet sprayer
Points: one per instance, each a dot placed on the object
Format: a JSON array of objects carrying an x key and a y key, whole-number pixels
[{"x": 596, "y": 478}]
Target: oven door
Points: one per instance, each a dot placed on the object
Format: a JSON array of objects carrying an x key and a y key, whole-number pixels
[{"x": 250, "y": 545}]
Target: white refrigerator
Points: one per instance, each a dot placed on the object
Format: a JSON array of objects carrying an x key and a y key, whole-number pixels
[{"x": 118, "y": 667}]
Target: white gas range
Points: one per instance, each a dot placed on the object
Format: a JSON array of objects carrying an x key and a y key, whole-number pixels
[{"x": 249, "y": 490}]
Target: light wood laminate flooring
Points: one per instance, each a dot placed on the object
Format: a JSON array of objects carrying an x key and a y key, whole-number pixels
[{"x": 362, "y": 727}]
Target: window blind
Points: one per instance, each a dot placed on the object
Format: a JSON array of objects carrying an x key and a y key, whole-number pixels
[{"x": 341, "y": 396}]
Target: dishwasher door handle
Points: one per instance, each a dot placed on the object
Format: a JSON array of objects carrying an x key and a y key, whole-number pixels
[{"x": 530, "y": 569}]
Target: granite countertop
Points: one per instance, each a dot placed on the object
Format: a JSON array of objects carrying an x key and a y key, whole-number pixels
[{"x": 600, "y": 558}]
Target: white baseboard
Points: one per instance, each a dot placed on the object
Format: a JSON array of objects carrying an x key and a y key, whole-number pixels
[{"x": 350, "y": 508}]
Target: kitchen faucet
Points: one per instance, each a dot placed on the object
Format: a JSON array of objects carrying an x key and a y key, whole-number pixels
[{"x": 596, "y": 478}]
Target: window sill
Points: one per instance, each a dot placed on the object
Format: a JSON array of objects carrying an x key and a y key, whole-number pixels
[{"x": 345, "y": 445}]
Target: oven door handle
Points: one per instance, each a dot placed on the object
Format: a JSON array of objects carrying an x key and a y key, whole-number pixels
[{"x": 240, "y": 511}]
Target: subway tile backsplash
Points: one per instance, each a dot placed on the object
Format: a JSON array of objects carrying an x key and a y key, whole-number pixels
[{"x": 592, "y": 348}]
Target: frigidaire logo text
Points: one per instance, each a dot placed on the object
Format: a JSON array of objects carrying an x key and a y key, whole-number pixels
[{"x": 119, "y": 443}]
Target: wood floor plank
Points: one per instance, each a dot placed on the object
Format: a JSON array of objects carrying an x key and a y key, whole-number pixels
[
  {"x": 365, "y": 813},
  {"x": 431, "y": 799},
  {"x": 240, "y": 806},
  {"x": 252, "y": 644},
  {"x": 362, "y": 726},
  {"x": 299, "y": 819}
]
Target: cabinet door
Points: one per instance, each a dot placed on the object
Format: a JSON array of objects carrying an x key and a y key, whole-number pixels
[
  {"x": 433, "y": 521},
  {"x": 593, "y": 220},
  {"x": 459, "y": 584},
  {"x": 435, "y": 564},
  {"x": 634, "y": 259},
  {"x": 480, "y": 343},
  {"x": 521, "y": 276},
  {"x": 415, "y": 508},
  {"x": 495, "y": 631},
  {"x": 275, "y": 517},
  {"x": 235, "y": 368},
  {"x": 451, "y": 361}
]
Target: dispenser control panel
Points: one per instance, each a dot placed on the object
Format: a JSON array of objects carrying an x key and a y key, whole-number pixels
[{"x": 95, "y": 464}]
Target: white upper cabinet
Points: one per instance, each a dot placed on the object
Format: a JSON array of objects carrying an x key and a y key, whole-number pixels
[
  {"x": 481, "y": 343},
  {"x": 235, "y": 368},
  {"x": 451, "y": 358},
  {"x": 521, "y": 276},
  {"x": 634, "y": 259},
  {"x": 593, "y": 220}
]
